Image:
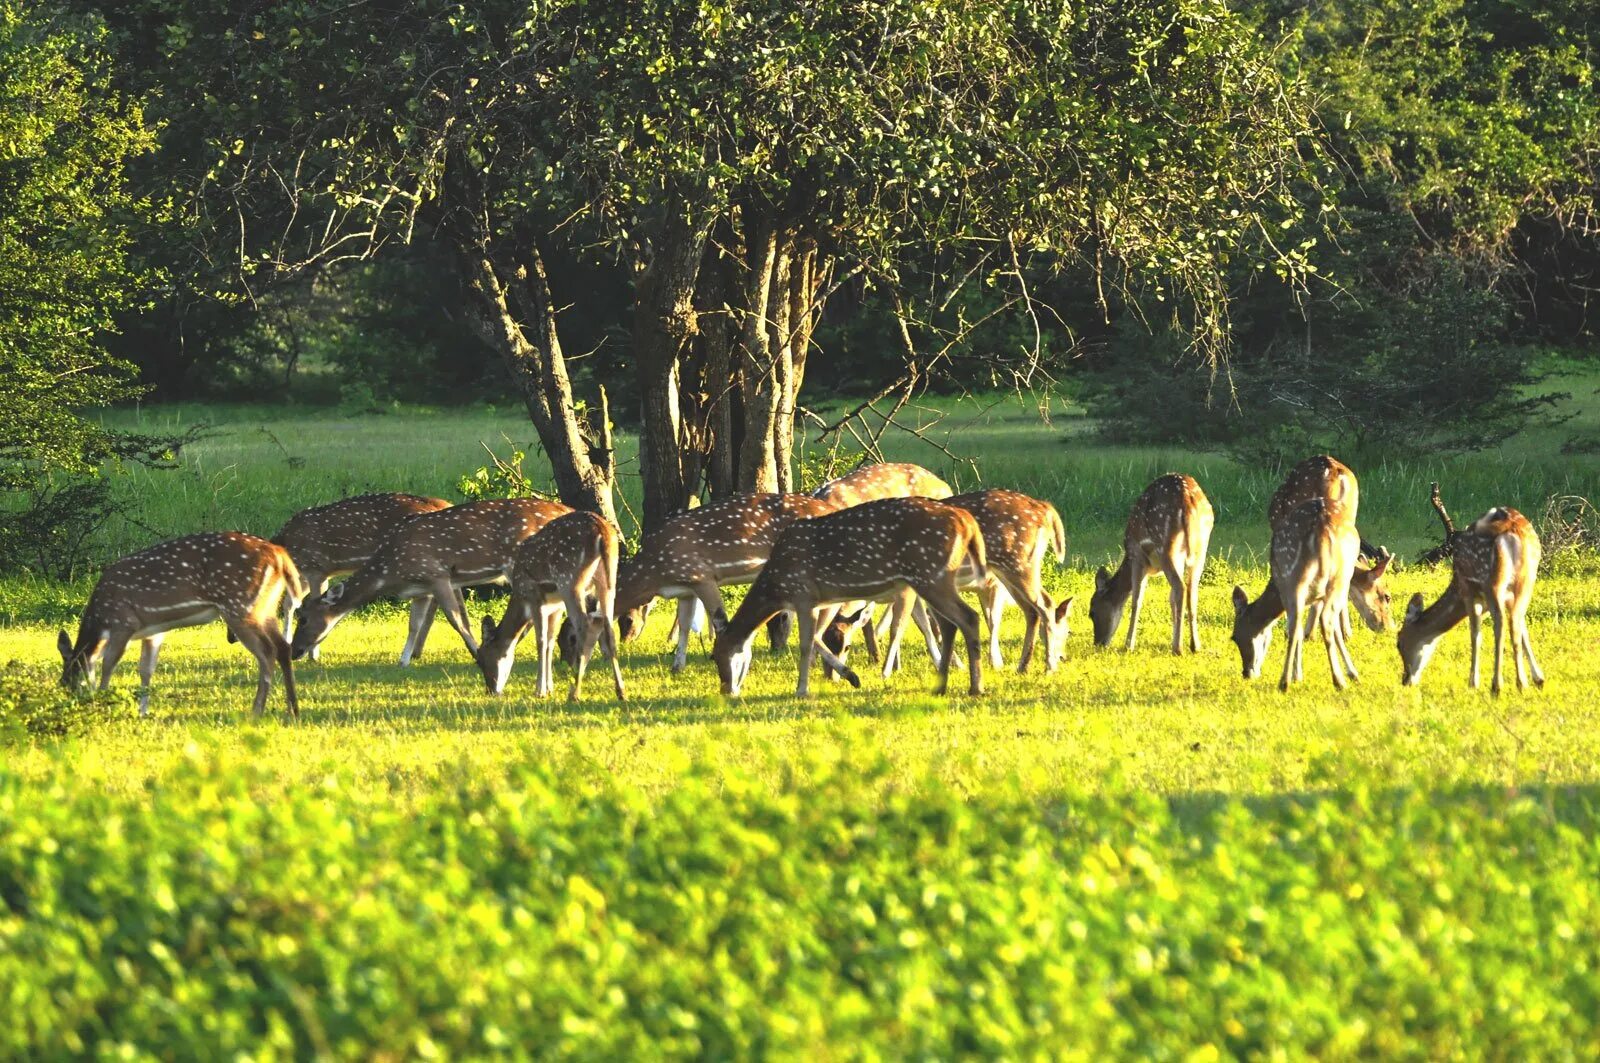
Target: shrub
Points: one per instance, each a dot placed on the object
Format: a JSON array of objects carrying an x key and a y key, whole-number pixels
[
  {"x": 34, "y": 704},
  {"x": 555, "y": 910}
]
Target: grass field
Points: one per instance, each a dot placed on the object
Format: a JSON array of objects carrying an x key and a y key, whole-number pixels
[{"x": 1139, "y": 855}]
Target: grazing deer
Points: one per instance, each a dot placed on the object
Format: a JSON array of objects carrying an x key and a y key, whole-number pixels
[
  {"x": 868, "y": 483},
  {"x": 570, "y": 564},
  {"x": 896, "y": 479},
  {"x": 1169, "y": 528},
  {"x": 432, "y": 554},
  {"x": 1314, "y": 550},
  {"x": 861, "y": 554},
  {"x": 338, "y": 538},
  {"x": 1496, "y": 562},
  {"x": 1331, "y": 479},
  {"x": 181, "y": 583},
  {"x": 699, "y": 551},
  {"x": 1017, "y": 533}
]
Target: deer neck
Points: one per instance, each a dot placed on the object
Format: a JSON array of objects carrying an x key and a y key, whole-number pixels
[
  {"x": 1444, "y": 614},
  {"x": 757, "y": 608},
  {"x": 1262, "y": 612},
  {"x": 1119, "y": 587}
]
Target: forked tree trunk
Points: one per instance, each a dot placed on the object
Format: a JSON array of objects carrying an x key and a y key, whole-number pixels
[
  {"x": 758, "y": 468},
  {"x": 664, "y": 326},
  {"x": 513, "y": 313}
]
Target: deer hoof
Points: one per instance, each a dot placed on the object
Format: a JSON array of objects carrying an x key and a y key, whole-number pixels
[{"x": 851, "y": 678}]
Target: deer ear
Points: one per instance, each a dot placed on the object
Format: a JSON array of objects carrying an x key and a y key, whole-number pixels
[
  {"x": 1064, "y": 608},
  {"x": 1240, "y": 599},
  {"x": 487, "y": 628},
  {"x": 1382, "y": 566},
  {"x": 1101, "y": 578},
  {"x": 64, "y": 644},
  {"x": 1413, "y": 608}
]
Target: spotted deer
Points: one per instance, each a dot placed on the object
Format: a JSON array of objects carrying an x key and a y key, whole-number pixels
[
  {"x": 569, "y": 565},
  {"x": 432, "y": 555},
  {"x": 336, "y": 539},
  {"x": 861, "y": 554},
  {"x": 700, "y": 551},
  {"x": 868, "y": 483},
  {"x": 1314, "y": 548},
  {"x": 895, "y": 479},
  {"x": 1168, "y": 529},
  {"x": 1018, "y": 531},
  {"x": 236, "y": 577},
  {"x": 1495, "y": 564},
  {"x": 1329, "y": 478}
]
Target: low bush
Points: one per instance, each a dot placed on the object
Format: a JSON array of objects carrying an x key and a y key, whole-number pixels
[
  {"x": 34, "y": 704},
  {"x": 558, "y": 912}
]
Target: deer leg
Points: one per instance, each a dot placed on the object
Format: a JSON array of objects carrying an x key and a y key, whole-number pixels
[
  {"x": 919, "y": 615},
  {"x": 869, "y": 633},
  {"x": 279, "y": 645},
  {"x": 1497, "y": 615},
  {"x": 897, "y": 613},
  {"x": 149, "y": 652},
  {"x": 579, "y": 618},
  {"x": 1344, "y": 647},
  {"x": 808, "y": 650},
  {"x": 945, "y": 598},
  {"x": 1029, "y": 596},
  {"x": 252, "y": 638},
  {"x": 830, "y": 660},
  {"x": 110, "y": 654},
  {"x": 608, "y": 642},
  {"x": 421, "y": 618},
  {"x": 1137, "y": 564},
  {"x": 316, "y": 587},
  {"x": 1328, "y": 621},
  {"x": 992, "y": 599},
  {"x": 1527, "y": 647},
  {"x": 1295, "y": 640},
  {"x": 1197, "y": 565},
  {"x": 455, "y": 611},
  {"x": 1177, "y": 587},
  {"x": 1474, "y": 639}
]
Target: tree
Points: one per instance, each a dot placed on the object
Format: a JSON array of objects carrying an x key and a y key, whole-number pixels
[
  {"x": 737, "y": 160},
  {"x": 65, "y": 142}
]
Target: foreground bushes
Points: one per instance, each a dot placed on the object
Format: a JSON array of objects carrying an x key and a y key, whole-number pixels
[{"x": 553, "y": 911}]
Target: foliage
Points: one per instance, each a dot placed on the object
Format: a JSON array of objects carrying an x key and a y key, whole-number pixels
[
  {"x": 66, "y": 139},
  {"x": 728, "y": 918},
  {"x": 34, "y": 705},
  {"x": 1427, "y": 367},
  {"x": 501, "y": 478}
]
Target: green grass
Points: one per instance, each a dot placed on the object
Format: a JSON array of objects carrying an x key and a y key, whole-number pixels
[{"x": 1137, "y": 855}]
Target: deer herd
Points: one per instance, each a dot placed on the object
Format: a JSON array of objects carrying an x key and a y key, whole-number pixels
[{"x": 890, "y": 535}]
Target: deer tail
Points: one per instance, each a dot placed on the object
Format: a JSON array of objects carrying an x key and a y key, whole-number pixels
[
  {"x": 976, "y": 552},
  {"x": 1058, "y": 533},
  {"x": 294, "y": 584}
]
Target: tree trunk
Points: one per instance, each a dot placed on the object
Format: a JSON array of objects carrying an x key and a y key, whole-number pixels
[
  {"x": 758, "y": 469},
  {"x": 513, "y": 313},
  {"x": 781, "y": 350},
  {"x": 721, "y": 376},
  {"x": 664, "y": 325}
]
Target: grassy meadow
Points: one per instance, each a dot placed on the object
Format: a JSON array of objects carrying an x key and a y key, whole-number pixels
[{"x": 1138, "y": 855}]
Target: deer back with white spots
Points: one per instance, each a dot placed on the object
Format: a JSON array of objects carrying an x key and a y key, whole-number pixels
[
  {"x": 1313, "y": 556},
  {"x": 1495, "y": 565},
  {"x": 870, "y": 552},
  {"x": 1329, "y": 478},
  {"x": 890, "y": 479},
  {"x": 335, "y": 539},
  {"x": 699, "y": 551},
  {"x": 1169, "y": 530},
  {"x": 1018, "y": 532},
  {"x": 569, "y": 566},
  {"x": 427, "y": 560},
  {"x": 237, "y": 578}
]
